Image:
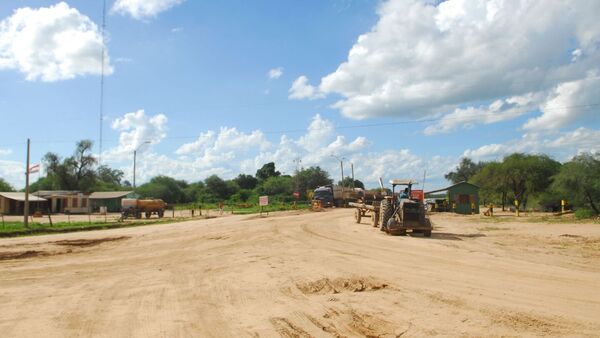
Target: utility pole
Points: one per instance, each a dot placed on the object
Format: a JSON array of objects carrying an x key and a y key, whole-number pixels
[
  {"x": 352, "y": 167},
  {"x": 342, "y": 170},
  {"x": 26, "y": 206},
  {"x": 134, "y": 161}
]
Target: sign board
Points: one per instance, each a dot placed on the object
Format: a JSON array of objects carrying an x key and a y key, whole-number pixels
[
  {"x": 417, "y": 195},
  {"x": 296, "y": 194},
  {"x": 263, "y": 201}
]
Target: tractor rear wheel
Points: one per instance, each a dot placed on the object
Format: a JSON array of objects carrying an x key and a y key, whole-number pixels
[{"x": 386, "y": 211}]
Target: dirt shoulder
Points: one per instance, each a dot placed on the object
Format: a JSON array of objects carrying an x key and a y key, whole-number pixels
[{"x": 304, "y": 274}]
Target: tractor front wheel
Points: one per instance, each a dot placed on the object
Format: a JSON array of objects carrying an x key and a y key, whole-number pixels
[{"x": 386, "y": 212}]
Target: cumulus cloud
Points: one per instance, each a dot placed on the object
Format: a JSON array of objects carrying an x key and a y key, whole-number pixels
[
  {"x": 301, "y": 89},
  {"x": 135, "y": 129},
  {"x": 425, "y": 58},
  {"x": 143, "y": 9},
  {"x": 4, "y": 152},
  {"x": 51, "y": 44},
  {"x": 569, "y": 102},
  {"x": 561, "y": 145},
  {"x": 275, "y": 73},
  {"x": 13, "y": 172}
]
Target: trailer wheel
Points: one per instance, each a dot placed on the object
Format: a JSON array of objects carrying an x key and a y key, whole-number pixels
[
  {"x": 357, "y": 215},
  {"x": 138, "y": 214},
  {"x": 427, "y": 233},
  {"x": 374, "y": 219},
  {"x": 386, "y": 212},
  {"x": 148, "y": 214},
  {"x": 161, "y": 213}
]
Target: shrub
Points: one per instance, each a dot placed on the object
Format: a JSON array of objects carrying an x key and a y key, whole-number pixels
[{"x": 584, "y": 213}]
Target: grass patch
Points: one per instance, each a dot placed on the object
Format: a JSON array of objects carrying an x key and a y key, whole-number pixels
[{"x": 17, "y": 229}]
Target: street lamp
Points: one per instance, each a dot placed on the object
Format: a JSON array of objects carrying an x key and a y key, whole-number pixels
[{"x": 134, "y": 159}]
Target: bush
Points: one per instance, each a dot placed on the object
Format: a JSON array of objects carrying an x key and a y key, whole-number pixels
[{"x": 584, "y": 213}]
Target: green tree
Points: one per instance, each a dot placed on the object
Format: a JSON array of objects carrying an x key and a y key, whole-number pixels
[
  {"x": 267, "y": 170},
  {"x": 493, "y": 183},
  {"x": 108, "y": 179},
  {"x": 310, "y": 178},
  {"x": 166, "y": 188},
  {"x": 280, "y": 187},
  {"x": 465, "y": 170},
  {"x": 73, "y": 173},
  {"x": 217, "y": 188},
  {"x": 5, "y": 186},
  {"x": 579, "y": 181},
  {"x": 246, "y": 181},
  {"x": 528, "y": 174},
  {"x": 347, "y": 182}
]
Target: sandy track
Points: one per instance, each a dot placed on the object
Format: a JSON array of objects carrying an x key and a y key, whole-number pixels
[{"x": 303, "y": 275}]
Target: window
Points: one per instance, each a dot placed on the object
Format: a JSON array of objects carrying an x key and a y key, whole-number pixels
[
  {"x": 75, "y": 202},
  {"x": 84, "y": 202}
]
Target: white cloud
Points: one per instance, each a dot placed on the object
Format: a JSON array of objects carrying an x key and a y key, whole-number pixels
[
  {"x": 301, "y": 89},
  {"x": 4, "y": 152},
  {"x": 275, "y": 73},
  {"x": 176, "y": 29},
  {"x": 499, "y": 110},
  {"x": 143, "y": 9},
  {"x": 569, "y": 102},
  {"x": 423, "y": 59},
  {"x": 560, "y": 145},
  {"x": 13, "y": 172},
  {"x": 135, "y": 129},
  {"x": 51, "y": 43}
]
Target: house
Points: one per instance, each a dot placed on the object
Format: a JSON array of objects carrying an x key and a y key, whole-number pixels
[
  {"x": 462, "y": 197},
  {"x": 65, "y": 201},
  {"x": 13, "y": 203},
  {"x": 109, "y": 199}
]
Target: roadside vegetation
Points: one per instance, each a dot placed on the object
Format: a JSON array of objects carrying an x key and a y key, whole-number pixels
[{"x": 535, "y": 181}]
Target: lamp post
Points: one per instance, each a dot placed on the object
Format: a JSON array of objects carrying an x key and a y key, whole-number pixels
[{"x": 134, "y": 161}]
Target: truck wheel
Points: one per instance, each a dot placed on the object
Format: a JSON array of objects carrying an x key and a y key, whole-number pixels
[
  {"x": 374, "y": 219},
  {"x": 386, "y": 212},
  {"x": 427, "y": 233},
  {"x": 357, "y": 215},
  {"x": 148, "y": 214}
]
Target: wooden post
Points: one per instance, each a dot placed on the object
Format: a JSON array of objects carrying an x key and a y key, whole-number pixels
[
  {"x": 89, "y": 218},
  {"x": 2, "y": 215},
  {"x": 517, "y": 207},
  {"x": 50, "y": 218},
  {"x": 26, "y": 206}
]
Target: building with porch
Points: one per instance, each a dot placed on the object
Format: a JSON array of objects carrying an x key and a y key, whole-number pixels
[{"x": 13, "y": 203}]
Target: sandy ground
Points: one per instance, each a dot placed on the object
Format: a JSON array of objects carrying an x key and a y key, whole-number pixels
[{"x": 301, "y": 274}]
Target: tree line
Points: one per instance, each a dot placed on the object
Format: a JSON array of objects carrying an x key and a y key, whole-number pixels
[{"x": 534, "y": 180}]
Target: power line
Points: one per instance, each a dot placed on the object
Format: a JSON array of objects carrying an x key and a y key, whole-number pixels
[{"x": 355, "y": 126}]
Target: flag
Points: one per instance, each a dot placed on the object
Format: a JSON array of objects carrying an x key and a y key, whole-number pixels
[{"x": 34, "y": 168}]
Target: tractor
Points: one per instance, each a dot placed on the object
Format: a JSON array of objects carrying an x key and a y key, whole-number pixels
[{"x": 400, "y": 212}]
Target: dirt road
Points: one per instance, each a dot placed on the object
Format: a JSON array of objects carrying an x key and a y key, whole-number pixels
[{"x": 301, "y": 275}]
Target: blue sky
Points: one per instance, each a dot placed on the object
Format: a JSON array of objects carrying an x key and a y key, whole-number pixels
[{"x": 396, "y": 87}]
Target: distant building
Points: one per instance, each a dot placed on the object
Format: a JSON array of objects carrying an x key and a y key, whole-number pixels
[
  {"x": 462, "y": 197},
  {"x": 13, "y": 203},
  {"x": 109, "y": 199},
  {"x": 65, "y": 201}
]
